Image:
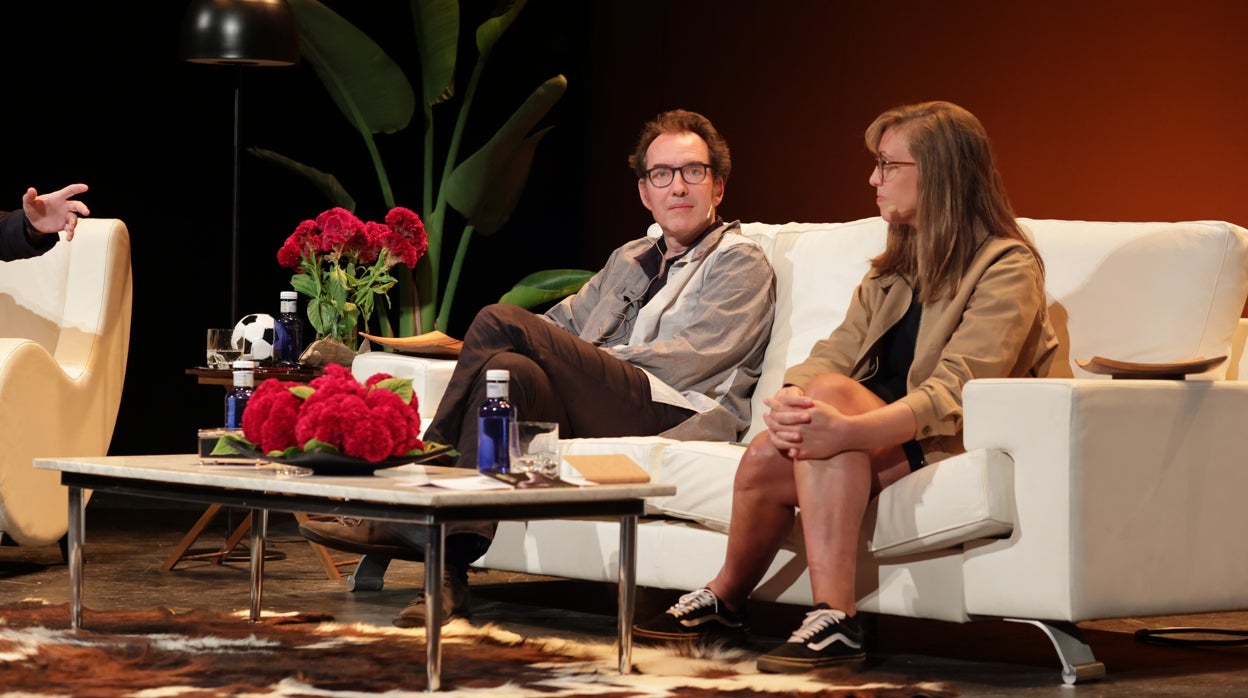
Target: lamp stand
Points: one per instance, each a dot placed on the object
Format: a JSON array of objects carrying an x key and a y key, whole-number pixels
[
  {"x": 238, "y": 100},
  {"x": 239, "y": 33}
]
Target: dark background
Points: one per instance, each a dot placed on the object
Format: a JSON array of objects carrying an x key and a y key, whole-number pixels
[{"x": 1099, "y": 109}]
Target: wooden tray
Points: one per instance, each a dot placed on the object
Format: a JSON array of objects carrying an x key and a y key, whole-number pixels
[{"x": 1130, "y": 369}]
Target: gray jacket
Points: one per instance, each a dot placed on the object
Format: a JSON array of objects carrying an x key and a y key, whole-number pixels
[{"x": 700, "y": 339}]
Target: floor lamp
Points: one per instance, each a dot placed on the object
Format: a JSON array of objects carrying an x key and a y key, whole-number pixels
[{"x": 239, "y": 33}]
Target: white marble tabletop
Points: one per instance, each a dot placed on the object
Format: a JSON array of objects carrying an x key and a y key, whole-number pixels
[{"x": 407, "y": 485}]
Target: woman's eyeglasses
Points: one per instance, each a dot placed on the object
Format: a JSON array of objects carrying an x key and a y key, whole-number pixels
[{"x": 888, "y": 167}]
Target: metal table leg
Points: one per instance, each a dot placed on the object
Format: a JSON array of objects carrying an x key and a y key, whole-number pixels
[
  {"x": 435, "y": 558},
  {"x": 628, "y": 589},
  {"x": 259, "y": 525},
  {"x": 77, "y": 533}
]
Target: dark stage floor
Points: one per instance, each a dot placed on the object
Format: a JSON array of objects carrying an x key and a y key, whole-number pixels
[{"x": 128, "y": 540}]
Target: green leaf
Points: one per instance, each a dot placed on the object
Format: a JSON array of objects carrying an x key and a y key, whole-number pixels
[
  {"x": 228, "y": 445},
  {"x": 303, "y": 391},
  {"x": 432, "y": 446},
  {"x": 487, "y": 185},
  {"x": 437, "y": 34},
  {"x": 546, "y": 286},
  {"x": 304, "y": 284},
  {"x": 493, "y": 29},
  {"x": 326, "y": 183},
  {"x": 399, "y": 386},
  {"x": 285, "y": 453},
  {"x": 323, "y": 316},
  {"x": 317, "y": 446},
  {"x": 369, "y": 88}
]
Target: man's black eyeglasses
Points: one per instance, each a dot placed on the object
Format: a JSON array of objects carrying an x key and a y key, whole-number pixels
[{"x": 662, "y": 175}]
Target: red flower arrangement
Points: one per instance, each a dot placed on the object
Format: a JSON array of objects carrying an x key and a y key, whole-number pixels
[
  {"x": 343, "y": 264},
  {"x": 335, "y": 414}
]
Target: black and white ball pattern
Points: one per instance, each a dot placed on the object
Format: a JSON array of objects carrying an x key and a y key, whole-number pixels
[{"x": 253, "y": 335}]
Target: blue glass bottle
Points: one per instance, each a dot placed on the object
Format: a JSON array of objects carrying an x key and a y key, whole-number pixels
[
  {"x": 496, "y": 425},
  {"x": 288, "y": 332},
  {"x": 236, "y": 399}
]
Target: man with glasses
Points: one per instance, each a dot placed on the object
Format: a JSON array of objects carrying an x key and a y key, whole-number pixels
[{"x": 666, "y": 339}]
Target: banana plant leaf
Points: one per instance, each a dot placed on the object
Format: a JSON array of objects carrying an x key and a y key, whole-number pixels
[
  {"x": 493, "y": 29},
  {"x": 370, "y": 89},
  {"x": 324, "y": 182},
  {"x": 487, "y": 185},
  {"x": 546, "y": 286},
  {"x": 437, "y": 34}
]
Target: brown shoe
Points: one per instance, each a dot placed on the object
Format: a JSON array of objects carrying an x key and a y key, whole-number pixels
[
  {"x": 456, "y": 601},
  {"x": 363, "y": 536}
]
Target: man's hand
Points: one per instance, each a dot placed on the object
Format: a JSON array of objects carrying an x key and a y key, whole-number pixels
[{"x": 52, "y": 213}]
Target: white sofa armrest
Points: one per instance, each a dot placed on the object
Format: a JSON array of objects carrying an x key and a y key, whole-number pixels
[
  {"x": 429, "y": 377},
  {"x": 1129, "y": 495}
]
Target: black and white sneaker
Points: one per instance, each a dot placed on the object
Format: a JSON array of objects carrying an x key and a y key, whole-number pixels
[
  {"x": 696, "y": 617},
  {"x": 827, "y": 637}
]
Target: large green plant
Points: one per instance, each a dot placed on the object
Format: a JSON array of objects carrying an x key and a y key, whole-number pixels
[{"x": 374, "y": 94}]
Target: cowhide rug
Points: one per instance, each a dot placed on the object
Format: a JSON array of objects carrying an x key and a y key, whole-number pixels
[{"x": 157, "y": 653}]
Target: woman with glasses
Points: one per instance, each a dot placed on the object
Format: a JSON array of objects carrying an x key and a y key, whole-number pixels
[
  {"x": 958, "y": 293},
  {"x": 34, "y": 229}
]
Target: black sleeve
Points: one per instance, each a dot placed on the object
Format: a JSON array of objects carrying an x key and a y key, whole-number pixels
[{"x": 13, "y": 241}]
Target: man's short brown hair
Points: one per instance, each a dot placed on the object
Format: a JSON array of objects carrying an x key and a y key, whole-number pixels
[{"x": 682, "y": 121}]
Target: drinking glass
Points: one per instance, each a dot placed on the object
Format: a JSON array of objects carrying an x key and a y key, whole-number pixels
[
  {"x": 539, "y": 448},
  {"x": 221, "y": 351}
]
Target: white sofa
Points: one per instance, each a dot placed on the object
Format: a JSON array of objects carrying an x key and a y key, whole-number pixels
[{"x": 1080, "y": 497}]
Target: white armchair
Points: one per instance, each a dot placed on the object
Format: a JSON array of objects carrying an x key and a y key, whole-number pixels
[{"x": 64, "y": 338}]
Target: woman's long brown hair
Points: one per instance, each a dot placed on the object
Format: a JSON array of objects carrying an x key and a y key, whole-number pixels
[{"x": 962, "y": 200}]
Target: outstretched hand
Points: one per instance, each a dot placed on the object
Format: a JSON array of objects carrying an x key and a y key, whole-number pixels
[{"x": 52, "y": 213}]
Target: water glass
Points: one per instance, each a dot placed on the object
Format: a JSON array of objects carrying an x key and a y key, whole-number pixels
[
  {"x": 221, "y": 351},
  {"x": 539, "y": 448}
]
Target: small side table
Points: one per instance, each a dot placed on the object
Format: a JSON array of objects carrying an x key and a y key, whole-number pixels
[
  {"x": 225, "y": 377},
  {"x": 181, "y": 551}
]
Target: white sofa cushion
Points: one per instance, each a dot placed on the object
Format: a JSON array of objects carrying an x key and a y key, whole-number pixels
[
  {"x": 1147, "y": 292},
  {"x": 947, "y": 503},
  {"x": 429, "y": 377},
  {"x": 703, "y": 473}
]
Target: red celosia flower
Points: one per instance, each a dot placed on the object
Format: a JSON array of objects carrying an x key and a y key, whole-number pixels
[
  {"x": 338, "y": 227},
  {"x": 366, "y": 438},
  {"x": 402, "y": 422},
  {"x": 408, "y": 240},
  {"x": 343, "y": 264},
  {"x": 364, "y": 421},
  {"x": 269, "y": 420}
]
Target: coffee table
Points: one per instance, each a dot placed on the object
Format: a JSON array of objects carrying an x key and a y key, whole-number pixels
[{"x": 262, "y": 489}]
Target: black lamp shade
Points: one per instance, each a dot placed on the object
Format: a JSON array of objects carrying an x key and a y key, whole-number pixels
[{"x": 240, "y": 32}]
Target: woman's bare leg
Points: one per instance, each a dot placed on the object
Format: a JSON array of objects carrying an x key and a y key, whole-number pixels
[
  {"x": 764, "y": 497},
  {"x": 833, "y": 494},
  {"x": 833, "y": 497}
]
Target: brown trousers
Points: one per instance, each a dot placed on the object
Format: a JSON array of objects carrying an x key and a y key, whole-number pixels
[{"x": 555, "y": 377}]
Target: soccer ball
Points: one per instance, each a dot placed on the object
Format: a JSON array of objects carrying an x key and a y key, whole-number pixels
[{"x": 253, "y": 335}]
